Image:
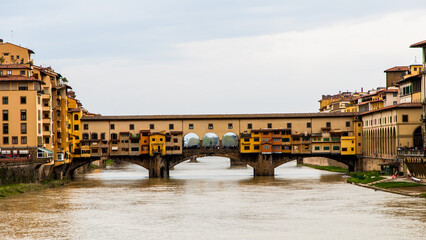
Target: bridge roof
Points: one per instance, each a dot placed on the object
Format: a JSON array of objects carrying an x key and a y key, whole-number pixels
[{"x": 218, "y": 116}]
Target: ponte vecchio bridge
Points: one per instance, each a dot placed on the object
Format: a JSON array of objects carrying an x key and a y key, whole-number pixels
[{"x": 265, "y": 141}]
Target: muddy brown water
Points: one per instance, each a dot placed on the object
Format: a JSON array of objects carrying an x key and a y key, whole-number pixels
[{"x": 210, "y": 200}]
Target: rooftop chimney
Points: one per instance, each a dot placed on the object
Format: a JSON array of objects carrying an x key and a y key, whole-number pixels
[{"x": 1, "y": 40}]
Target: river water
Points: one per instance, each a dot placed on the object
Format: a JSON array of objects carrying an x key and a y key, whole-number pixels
[{"x": 210, "y": 200}]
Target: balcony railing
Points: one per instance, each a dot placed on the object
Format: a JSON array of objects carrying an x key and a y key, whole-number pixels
[{"x": 411, "y": 153}]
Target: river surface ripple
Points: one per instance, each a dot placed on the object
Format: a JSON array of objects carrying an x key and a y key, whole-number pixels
[{"x": 210, "y": 200}]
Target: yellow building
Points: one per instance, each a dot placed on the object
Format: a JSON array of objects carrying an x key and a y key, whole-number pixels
[
  {"x": 41, "y": 109},
  {"x": 157, "y": 143},
  {"x": 14, "y": 54}
]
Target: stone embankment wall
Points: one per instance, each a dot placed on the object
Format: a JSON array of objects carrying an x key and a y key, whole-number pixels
[
  {"x": 322, "y": 161},
  {"x": 24, "y": 173},
  {"x": 17, "y": 173}
]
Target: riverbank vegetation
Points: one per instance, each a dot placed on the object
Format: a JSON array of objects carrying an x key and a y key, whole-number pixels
[
  {"x": 327, "y": 168},
  {"x": 396, "y": 184},
  {"x": 14, "y": 189},
  {"x": 364, "y": 177}
]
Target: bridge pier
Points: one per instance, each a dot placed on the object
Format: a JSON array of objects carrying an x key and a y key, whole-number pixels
[
  {"x": 158, "y": 167},
  {"x": 264, "y": 165}
]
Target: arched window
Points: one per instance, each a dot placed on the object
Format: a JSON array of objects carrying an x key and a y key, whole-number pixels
[{"x": 76, "y": 117}]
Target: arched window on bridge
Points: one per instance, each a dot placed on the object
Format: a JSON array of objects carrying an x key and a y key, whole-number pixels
[
  {"x": 211, "y": 140},
  {"x": 191, "y": 141},
  {"x": 230, "y": 141}
]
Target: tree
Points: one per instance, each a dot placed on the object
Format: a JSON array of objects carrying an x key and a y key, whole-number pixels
[{"x": 64, "y": 80}]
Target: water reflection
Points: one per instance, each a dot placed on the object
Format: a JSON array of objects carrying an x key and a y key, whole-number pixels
[{"x": 210, "y": 200}]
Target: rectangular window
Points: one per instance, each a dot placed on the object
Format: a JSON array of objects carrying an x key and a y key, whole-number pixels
[
  {"x": 5, "y": 100},
  {"x": 308, "y": 125},
  {"x": 151, "y": 126},
  {"x": 76, "y": 127},
  {"x": 256, "y": 139},
  {"x": 326, "y": 148},
  {"x": 86, "y": 126},
  {"x": 23, "y": 86},
  {"x": 46, "y": 140},
  {"x": 111, "y": 126},
  {"x": 135, "y": 149},
  {"x": 269, "y": 125},
  {"x": 46, "y": 128},
  {"x": 5, "y": 128},
  {"x": 23, "y": 115},
  {"x": 288, "y": 125},
  {"x": 249, "y": 126},
  {"x": 344, "y": 149},
  {"x": 14, "y": 140},
  {"x": 210, "y": 125},
  {"x": 103, "y": 136},
  {"x": 5, "y": 115},
  {"x": 132, "y": 126},
  {"x": 5, "y": 140},
  {"x": 171, "y": 126},
  {"x": 9, "y": 72},
  {"x": 246, "y": 147},
  {"x": 286, "y": 139},
  {"x": 191, "y": 126},
  {"x": 348, "y": 124},
  {"x": 23, "y": 100},
  {"x": 230, "y": 126},
  {"x": 328, "y": 124},
  {"x": 326, "y": 139},
  {"x": 256, "y": 147},
  {"x": 336, "y": 148},
  {"x": 23, "y": 128},
  {"x": 246, "y": 139},
  {"x": 317, "y": 148},
  {"x": 24, "y": 140},
  {"x": 404, "y": 118},
  {"x": 23, "y": 73}
]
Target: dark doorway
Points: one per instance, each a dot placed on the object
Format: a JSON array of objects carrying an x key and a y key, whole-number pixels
[{"x": 417, "y": 138}]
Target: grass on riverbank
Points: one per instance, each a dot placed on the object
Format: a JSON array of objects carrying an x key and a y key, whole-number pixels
[
  {"x": 396, "y": 184},
  {"x": 423, "y": 195},
  {"x": 364, "y": 177},
  {"x": 14, "y": 189},
  {"x": 109, "y": 162},
  {"x": 327, "y": 168}
]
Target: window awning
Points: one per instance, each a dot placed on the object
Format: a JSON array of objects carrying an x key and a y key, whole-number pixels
[{"x": 44, "y": 153}]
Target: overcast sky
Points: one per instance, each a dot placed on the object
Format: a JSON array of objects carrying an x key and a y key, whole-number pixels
[{"x": 223, "y": 56}]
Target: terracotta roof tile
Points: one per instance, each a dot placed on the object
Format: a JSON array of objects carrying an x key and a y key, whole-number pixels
[
  {"x": 401, "y": 105},
  {"x": 398, "y": 69},
  {"x": 419, "y": 44},
  {"x": 15, "y": 66},
  {"x": 17, "y": 78}
]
